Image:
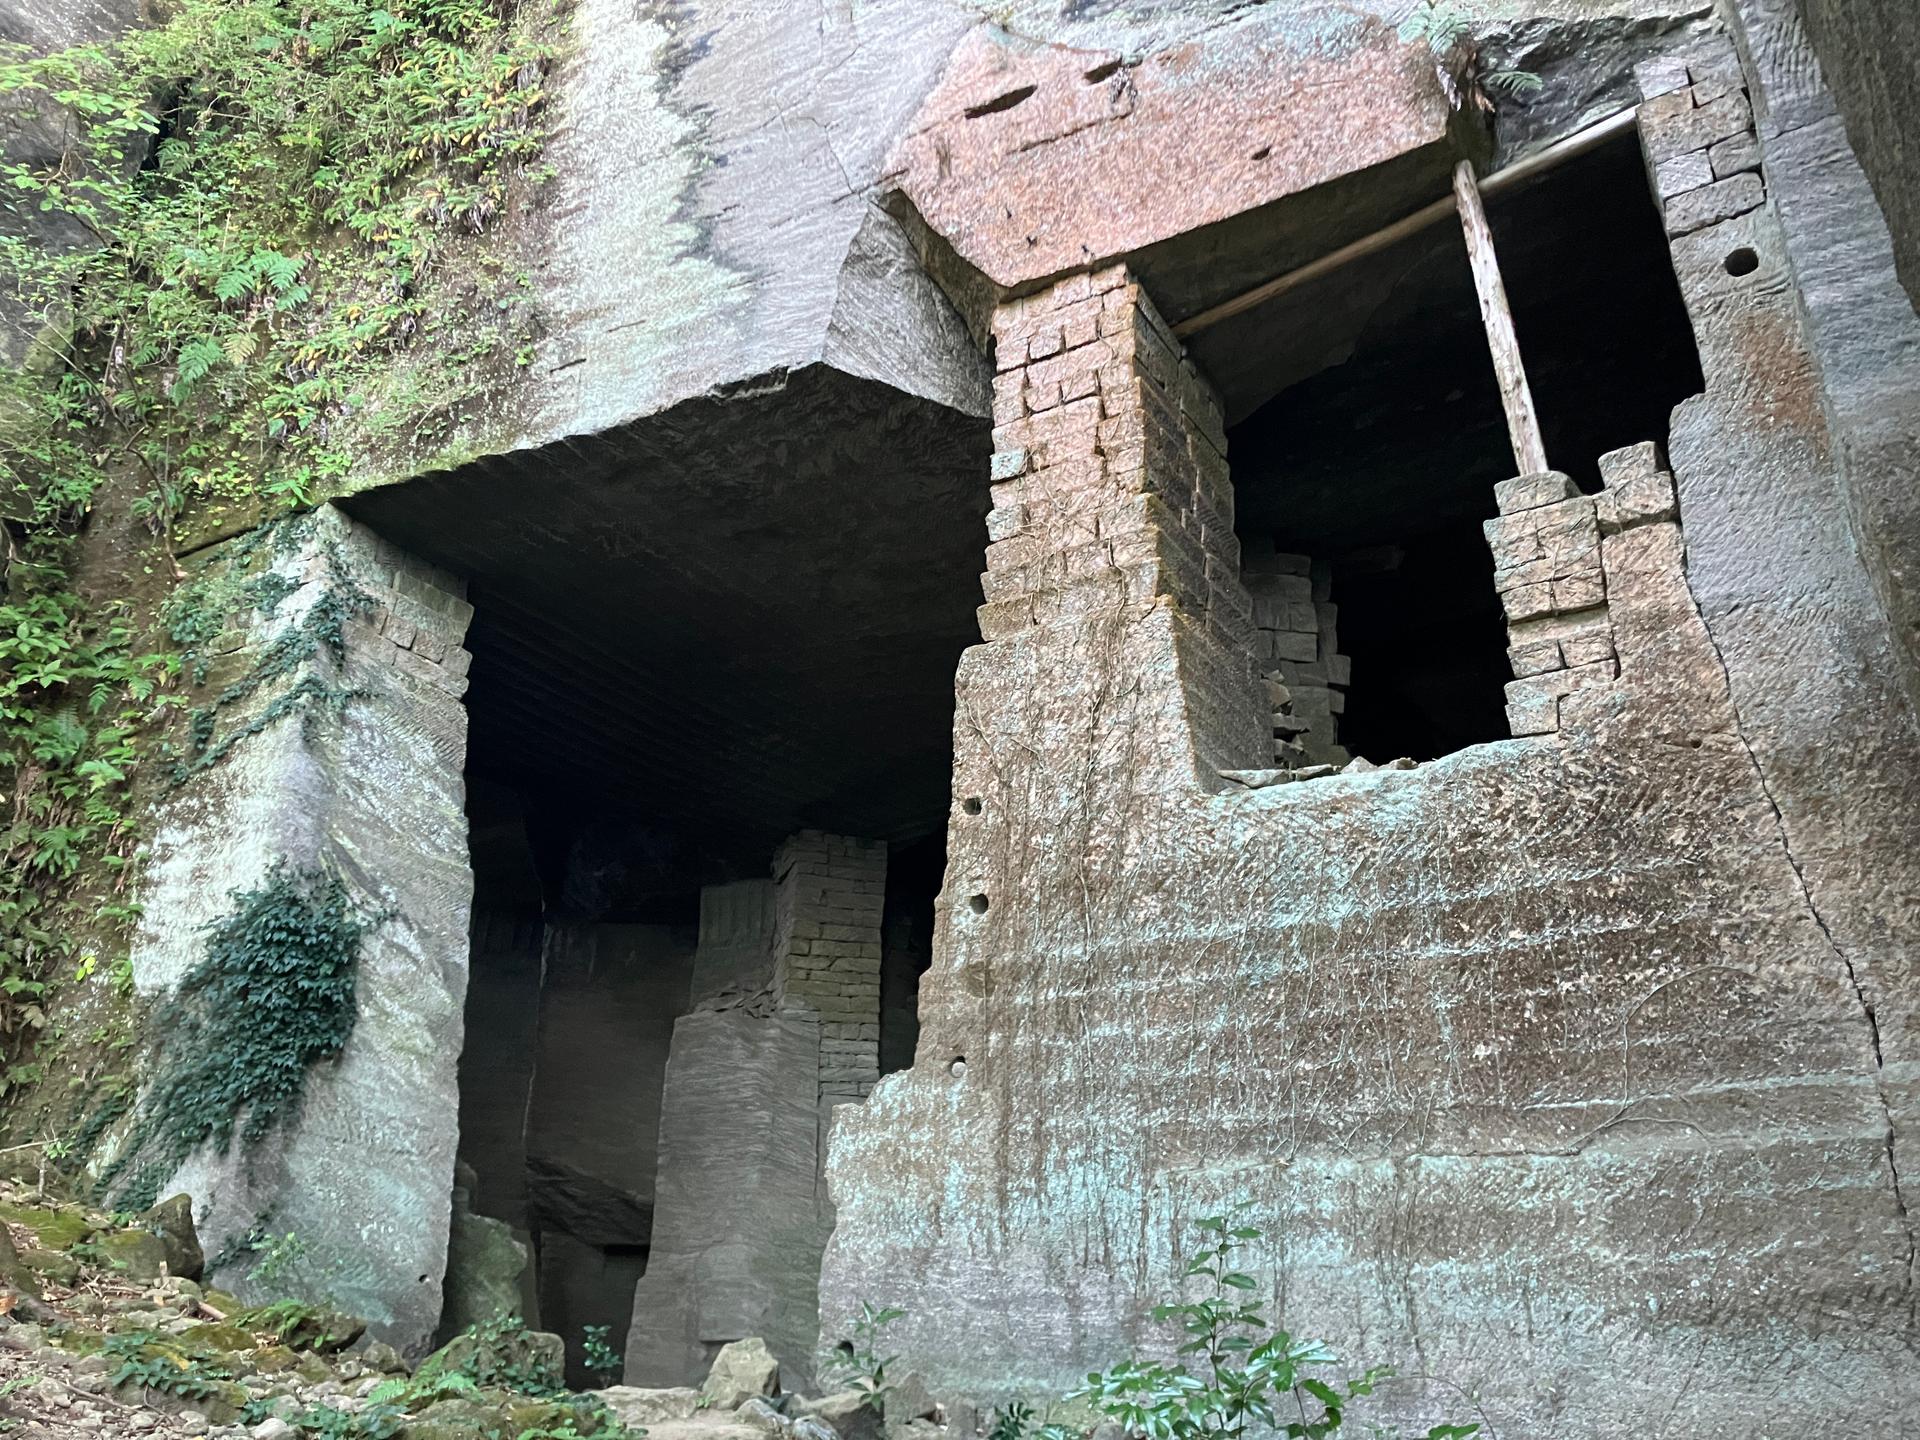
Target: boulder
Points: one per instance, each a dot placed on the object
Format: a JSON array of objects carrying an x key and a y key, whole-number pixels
[
  {"x": 908, "y": 1399},
  {"x": 484, "y": 1269},
  {"x": 639, "y": 1408},
  {"x": 383, "y": 1358},
  {"x": 741, "y": 1370},
  {"x": 705, "y": 1426},
  {"x": 845, "y": 1412},
  {"x": 497, "y": 1351},
  {"x": 51, "y": 1265},
  {"x": 172, "y": 1221},
  {"x": 764, "y": 1415},
  {"x": 137, "y": 1254}
]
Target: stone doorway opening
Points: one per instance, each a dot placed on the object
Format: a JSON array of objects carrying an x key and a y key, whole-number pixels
[
  {"x": 1362, "y": 483},
  {"x": 709, "y": 768}
]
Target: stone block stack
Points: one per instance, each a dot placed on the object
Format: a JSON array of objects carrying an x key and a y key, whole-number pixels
[
  {"x": 830, "y": 893},
  {"x": 1109, "y": 481},
  {"x": 1547, "y": 568},
  {"x": 1296, "y": 646},
  {"x": 1696, "y": 124}
]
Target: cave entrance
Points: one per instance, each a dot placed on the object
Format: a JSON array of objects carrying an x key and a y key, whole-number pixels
[
  {"x": 709, "y": 768},
  {"x": 1362, "y": 484}
]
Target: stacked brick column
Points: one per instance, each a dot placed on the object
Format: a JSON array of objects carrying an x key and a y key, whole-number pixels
[
  {"x": 1697, "y": 127},
  {"x": 1296, "y": 647},
  {"x": 827, "y": 948},
  {"x": 1547, "y": 568},
  {"x": 1110, "y": 483}
]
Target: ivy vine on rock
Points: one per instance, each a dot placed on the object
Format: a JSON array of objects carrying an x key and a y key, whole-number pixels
[{"x": 273, "y": 997}]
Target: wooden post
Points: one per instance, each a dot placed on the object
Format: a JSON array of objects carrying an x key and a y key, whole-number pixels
[{"x": 1523, "y": 425}]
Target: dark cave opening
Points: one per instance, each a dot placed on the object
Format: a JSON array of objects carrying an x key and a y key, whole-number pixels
[
  {"x": 1361, "y": 488},
  {"x": 709, "y": 767}
]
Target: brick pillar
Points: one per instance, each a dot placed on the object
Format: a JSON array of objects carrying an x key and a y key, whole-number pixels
[
  {"x": 1111, "y": 491},
  {"x": 1548, "y": 569},
  {"x": 830, "y": 890}
]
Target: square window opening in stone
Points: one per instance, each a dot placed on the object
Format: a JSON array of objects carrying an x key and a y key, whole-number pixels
[{"x": 1362, "y": 486}]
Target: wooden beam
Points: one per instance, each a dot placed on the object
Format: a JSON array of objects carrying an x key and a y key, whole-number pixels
[
  {"x": 1555, "y": 154},
  {"x": 1523, "y": 425}
]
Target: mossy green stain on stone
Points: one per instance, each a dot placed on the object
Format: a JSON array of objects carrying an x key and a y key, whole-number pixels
[{"x": 54, "y": 1229}]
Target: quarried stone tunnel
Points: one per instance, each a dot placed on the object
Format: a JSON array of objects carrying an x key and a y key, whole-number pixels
[{"x": 1430, "y": 755}]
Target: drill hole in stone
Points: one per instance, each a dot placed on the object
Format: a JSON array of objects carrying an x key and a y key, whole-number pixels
[
  {"x": 1002, "y": 102},
  {"x": 971, "y": 804},
  {"x": 977, "y": 904},
  {"x": 1743, "y": 261},
  {"x": 1101, "y": 72},
  {"x": 958, "y": 1067}
]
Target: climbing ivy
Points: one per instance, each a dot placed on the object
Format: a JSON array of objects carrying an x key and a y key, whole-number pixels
[
  {"x": 199, "y": 612},
  {"x": 217, "y": 236},
  {"x": 273, "y": 996}
]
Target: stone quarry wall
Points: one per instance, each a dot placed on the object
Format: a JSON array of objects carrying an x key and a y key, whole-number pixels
[
  {"x": 1869, "y": 50},
  {"x": 369, "y": 788},
  {"x": 1572, "y": 1070}
]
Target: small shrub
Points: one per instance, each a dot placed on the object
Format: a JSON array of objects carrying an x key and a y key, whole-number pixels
[
  {"x": 599, "y": 1355},
  {"x": 1248, "y": 1373},
  {"x": 856, "y": 1361}
]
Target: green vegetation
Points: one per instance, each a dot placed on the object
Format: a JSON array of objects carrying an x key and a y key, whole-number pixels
[
  {"x": 207, "y": 286},
  {"x": 601, "y": 1359},
  {"x": 1447, "y": 33},
  {"x": 1235, "y": 1373},
  {"x": 856, "y": 1362},
  {"x": 146, "y": 1358},
  {"x": 273, "y": 996}
]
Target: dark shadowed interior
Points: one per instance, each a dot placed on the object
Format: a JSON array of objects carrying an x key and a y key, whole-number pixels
[
  {"x": 1383, "y": 466},
  {"x": 691, "y": 639}
]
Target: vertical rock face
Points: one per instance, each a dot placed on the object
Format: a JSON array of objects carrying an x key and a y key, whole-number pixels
[
  {"x": 371, "y": 790},
  {"x": 1521, "y": 1057},
  {"x": 737, "y": 1232},
  {"x": 1867, "y": 49},
  {"x": 1846, "y": 267}
]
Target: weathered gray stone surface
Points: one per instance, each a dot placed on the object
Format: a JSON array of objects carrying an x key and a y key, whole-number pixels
[
  {"x": 486, "y": 1272},
  {"x": 1841, "y": 257},
  {"x": 638, "y": 1406},
  {"x": 1867, "y": 49},
  {"x": 737, "y": 1224},
  {"x": 741, "y": 1372},
  {"x": 364, "y": 1175}
]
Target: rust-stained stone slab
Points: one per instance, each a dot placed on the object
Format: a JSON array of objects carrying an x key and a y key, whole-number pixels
[{"x": 1032, "y": 161}]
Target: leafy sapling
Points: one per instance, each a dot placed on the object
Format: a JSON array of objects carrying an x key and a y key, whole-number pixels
[
  {"x": 602, "y": 1360},
  {"x": 857, "y": 1360},
  {"x": 1236, "y": 1371}
]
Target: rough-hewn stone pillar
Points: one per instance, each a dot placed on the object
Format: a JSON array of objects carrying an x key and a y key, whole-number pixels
[
  {"x": 785, "y": 1026},
  {"x": 349, "y": 762},
  {"x": 831, "y": 890}
]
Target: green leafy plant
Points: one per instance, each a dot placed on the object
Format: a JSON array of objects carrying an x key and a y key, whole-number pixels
[
  {"x": 1235, "y": 1371},
  {"x": 142, "y": 1357},
  {"x": 857, "y": 1362},
  {"x": 1447, "y": 33},
  {"x": 236, "y": 220},
  {"x": 597, "y": 1351},
  {"x": 285, "y": 960},
  {"x": 376, "y": 1421}
]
